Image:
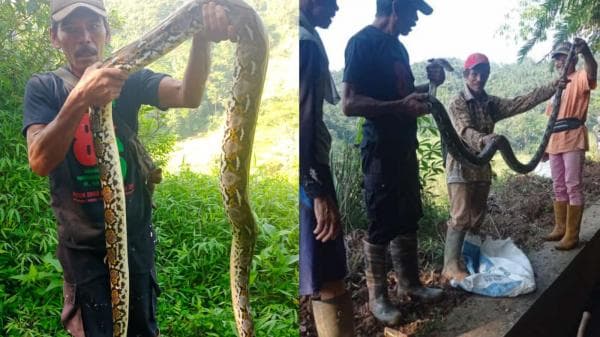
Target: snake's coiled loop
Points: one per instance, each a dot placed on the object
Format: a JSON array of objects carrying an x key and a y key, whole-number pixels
[
  {"x": 250, "y": 70},
  {"x": 463, "y": 153}
]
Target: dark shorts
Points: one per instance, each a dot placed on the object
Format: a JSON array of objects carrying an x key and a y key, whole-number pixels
[
  {"x": 319, "y": 262},
  {"x": 392, "y": 194},
  {"x": 87, "y": 308}
]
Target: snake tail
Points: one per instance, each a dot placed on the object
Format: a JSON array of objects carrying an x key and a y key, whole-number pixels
[
  {"x": 115, "y": 224},
  {"x": 242, "y": 113}
]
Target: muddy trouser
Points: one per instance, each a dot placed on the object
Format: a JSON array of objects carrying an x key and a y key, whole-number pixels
[
  {"x": 392, "y": 195},
  {"x": 468, "y": 204},
  {"x": 87, "y": 308},
  {"x": 86, "y": 291},
  {"x": 319, "y": 262}
]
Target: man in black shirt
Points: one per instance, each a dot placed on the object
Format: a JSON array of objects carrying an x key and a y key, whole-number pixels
[
  {"x": 379, "y": 85},
  {"x": 56, "y": 124}
]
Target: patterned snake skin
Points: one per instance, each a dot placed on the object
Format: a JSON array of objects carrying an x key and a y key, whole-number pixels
[
  {"x": 463, "y": 153},
  {"x": 250, "y": 69}
]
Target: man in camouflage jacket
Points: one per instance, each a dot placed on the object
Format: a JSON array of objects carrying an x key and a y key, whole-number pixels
[{"x": 474, "y": 114}]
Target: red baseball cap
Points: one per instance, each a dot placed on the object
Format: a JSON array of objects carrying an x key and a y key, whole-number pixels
[{"x": 475, "y": 59}]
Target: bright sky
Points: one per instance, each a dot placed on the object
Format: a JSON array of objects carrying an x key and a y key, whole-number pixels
[{"x": 456, "y": 28}]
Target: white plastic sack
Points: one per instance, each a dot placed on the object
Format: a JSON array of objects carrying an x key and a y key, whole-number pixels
[{"x": 497, "y": 268}]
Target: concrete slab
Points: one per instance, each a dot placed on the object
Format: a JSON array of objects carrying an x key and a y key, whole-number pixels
[{"x": 563, "y": 280}]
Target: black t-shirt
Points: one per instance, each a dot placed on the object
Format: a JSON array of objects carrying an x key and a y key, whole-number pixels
[
  {"x": 315, "y": 177},
  {"x": 377, "y": 65},
  {"x": 75, "y": 184}
]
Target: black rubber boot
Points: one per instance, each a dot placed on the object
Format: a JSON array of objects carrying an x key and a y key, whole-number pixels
[
  {"x": 379, "y": 303},
  {"x": 406, "y": 265}
]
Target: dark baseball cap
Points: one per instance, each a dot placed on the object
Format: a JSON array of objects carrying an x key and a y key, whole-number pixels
[
  {"x": 422, "y": 6},
  {"x": 561, "y": 49},
  {"x": 62, "y": 8}
]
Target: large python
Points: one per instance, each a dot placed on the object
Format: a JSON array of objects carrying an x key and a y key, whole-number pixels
[
  {"x": 249, "y": 76},
  {"x": 463, "y": 153}
]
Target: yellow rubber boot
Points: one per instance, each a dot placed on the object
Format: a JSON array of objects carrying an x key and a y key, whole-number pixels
[
  {"x": 571, "y": 238},
  {"x": 560, "y": 220},
  {"x": 333, "y": 317}
]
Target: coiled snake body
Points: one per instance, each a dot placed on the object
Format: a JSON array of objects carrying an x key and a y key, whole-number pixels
[
  {"x": 463, "y": 153},
  {"x": 250, "y": 69}
]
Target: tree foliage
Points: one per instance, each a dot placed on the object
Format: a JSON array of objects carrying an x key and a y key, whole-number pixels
[
  {"x": 128, "y": 23},
  {"x": 24, "y": 45},
  {"x": 567, "y": 18}
]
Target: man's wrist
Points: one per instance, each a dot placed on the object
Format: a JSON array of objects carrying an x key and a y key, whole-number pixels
[
  {"x": 200, "y": 40},
  {"x": 77, "y": 99}
]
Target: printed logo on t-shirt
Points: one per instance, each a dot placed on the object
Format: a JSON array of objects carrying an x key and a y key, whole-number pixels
[{"x": 87, "y": 175}]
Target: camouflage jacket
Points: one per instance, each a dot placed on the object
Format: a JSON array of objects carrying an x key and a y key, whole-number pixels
[{"x": 473, "y": 118}]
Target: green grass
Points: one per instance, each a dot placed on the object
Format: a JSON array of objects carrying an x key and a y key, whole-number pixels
[
  {"x": 30, "y": 277},
  {"x": 193, "y": 257}
]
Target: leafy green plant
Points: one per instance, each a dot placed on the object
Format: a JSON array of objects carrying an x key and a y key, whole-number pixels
[
  {"x": 345, "y": 166},
  {"x": 429, "y": 153},
  {"x": 155, "y": 134},
  {"x": 192, "y": 256},
  {"x": 567, "y": 18},
  {"x": 30, "y": 275}
]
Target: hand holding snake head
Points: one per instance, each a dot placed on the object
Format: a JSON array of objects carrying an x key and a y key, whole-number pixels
[
  {"x": 217, "y": 25},
  {"x": 435, "y": 73},
  {"x": 435, "y": 70},
  {"x": 581, "y": 47}
]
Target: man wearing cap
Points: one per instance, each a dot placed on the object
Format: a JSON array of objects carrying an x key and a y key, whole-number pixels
[
  {"x": 567, "y": 145},
  {"x": 474, "y": 114},
  {"x": 322, "y": 264},
  {"x": 379, "y": 85},
  {"x": 56, "y": 124}
]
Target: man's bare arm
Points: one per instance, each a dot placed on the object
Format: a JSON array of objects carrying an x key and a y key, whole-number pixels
[
  {"x": 47, "y": 145},
  {"x": 590, "y": 64},
  {"x": 354, "y": 104},
  {"x": 188, "y": 93}
]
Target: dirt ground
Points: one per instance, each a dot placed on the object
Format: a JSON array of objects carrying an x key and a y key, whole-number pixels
[{"x": 521, "y": 209}]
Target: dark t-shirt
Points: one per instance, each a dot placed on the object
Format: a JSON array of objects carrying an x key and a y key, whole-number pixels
[
  {"x": 75, "y": 184},
  {"x": 377, "y": 65},
  {"x": 315, "y": 177}
]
